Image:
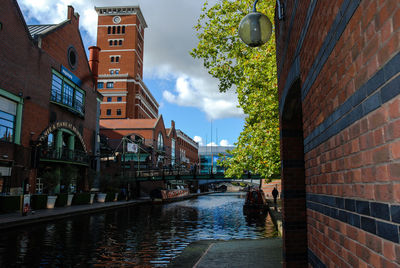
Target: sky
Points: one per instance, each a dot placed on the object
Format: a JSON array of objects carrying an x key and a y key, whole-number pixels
[{"x": 185, "y": 91}]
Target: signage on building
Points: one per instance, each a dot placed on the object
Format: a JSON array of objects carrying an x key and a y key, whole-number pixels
[
  {"x": 70, "y": 76},
  {"x": 58, "y": 125},
  {"x": 132, "y": 147}
]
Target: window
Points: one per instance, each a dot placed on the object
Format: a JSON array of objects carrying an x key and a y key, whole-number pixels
[
  {"x": 123, "y": 29},
  {"x": 119, "y": 29},
  {"x": 108, "y": 111},
  {"x": 120, "y": 42},
  {"x": 110, "y": 42},
  {"x": 67, "y": 95},
  {"x": 116, "y": 71},
  {"x": 65, "y": 92},
  {"x": 113, "y": 29},
  {"x": 119, "y": 99},
  {"x": 117, "y": 59},
  {"x": 112, "y": 59},
  {"x": 7, "y": 124},
  {"x": 115, "y": 42},
  {"x": 111, "y": 71},
  {"x": 160, "y": 142},
  {"x": 118, "y": 111},
  {"x": 110, "y": 84},
  {"x": 109, "y": 30},
  {"x": 109, "y": 99},
  {"x": 100, "y": 85}
]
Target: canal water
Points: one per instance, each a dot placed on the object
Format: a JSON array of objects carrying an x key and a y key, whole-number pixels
[{"x": 141, "y": 236}]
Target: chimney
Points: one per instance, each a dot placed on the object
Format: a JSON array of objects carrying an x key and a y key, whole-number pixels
[
  {"x": 172, "y": 124},
  {"x": 74, "y": 17},
  {"x": 70, "y": 12},
  {"x": 94, "y": 62}
]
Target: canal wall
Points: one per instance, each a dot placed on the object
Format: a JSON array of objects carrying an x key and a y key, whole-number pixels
[
  {"x": 338, "y": 81},
  {"x": 15, "y": 219}
]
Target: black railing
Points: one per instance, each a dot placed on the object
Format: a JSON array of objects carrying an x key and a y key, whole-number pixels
[{"x": 64, "y": 155}]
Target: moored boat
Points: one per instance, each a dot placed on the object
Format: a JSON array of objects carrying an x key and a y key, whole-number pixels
[{"x": 255, "y": 202}]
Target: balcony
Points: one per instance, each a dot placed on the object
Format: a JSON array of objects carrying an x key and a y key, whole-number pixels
[{"x": 64, "y": 155}]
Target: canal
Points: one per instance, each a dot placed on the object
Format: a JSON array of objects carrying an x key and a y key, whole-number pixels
[{"x": 140, "y": 236}]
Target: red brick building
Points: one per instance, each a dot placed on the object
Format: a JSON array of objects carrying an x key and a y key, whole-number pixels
[
  {"x": 338, "y": 78},
  {"x": 120, "y": 35},
  {"x": 48, "y": 99},
  {"x": 128, "y": 108},
  {"x": 159, "y": 147}
]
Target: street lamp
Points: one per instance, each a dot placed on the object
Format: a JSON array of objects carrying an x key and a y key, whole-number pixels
[{"x": 255, "y": 28}]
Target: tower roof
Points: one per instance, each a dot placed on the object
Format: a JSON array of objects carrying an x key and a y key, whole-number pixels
[{"x": 122, "y": 10}]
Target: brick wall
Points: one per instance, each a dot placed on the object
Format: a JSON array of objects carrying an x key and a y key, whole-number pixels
[{"x": 343, "y": 58}]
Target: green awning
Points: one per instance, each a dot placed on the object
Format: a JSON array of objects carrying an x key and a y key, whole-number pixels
[{"x": 134, "y": 157}]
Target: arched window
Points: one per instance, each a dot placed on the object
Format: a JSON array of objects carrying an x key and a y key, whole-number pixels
[
  {"x": 113, "y": 29},
  {"x": 111, "y": 42},
  {"x": 120, "y": 42},
  {"x": 123, "y": 29},
  {"x": 115, "y": 42},
  {"x": 109, "y": 30},
  {"x": 118, "y": 29},
  {"x": 160, "y": 142}
]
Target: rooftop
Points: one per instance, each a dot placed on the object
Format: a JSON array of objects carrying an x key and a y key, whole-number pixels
[{"x": 127, "y": 123}]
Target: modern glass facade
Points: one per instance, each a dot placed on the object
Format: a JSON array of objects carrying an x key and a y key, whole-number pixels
[{"x": 209, "y": 156}]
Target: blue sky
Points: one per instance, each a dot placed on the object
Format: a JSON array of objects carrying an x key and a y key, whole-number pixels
[{"x": 185, "y": 91}]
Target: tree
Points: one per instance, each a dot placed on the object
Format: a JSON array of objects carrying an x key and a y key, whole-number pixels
[{"x": 252, "y": 73}]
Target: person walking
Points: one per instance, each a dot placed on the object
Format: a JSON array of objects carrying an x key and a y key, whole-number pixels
[{"x": 275, "y": 194}]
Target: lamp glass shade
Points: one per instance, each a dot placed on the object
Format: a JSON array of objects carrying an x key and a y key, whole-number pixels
[{"x": 255, "y": 29}]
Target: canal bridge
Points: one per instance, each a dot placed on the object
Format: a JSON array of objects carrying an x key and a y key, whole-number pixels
[{"x": 187, "y": 175}]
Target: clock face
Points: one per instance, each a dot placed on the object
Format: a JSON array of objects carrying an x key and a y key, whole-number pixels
[{"x": 117, "y": 19}]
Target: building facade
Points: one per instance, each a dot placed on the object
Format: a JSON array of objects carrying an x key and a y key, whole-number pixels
[
  {"x": 338, "y": 78},
  {"x": 158, "y": 147},
  {"x": 120, "y": 35},
  {"x": 48, "y": 99},
  {"x": 209, "y": 156}
]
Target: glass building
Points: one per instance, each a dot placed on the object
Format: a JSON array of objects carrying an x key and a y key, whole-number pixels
[{"x": 209, "y": 156}]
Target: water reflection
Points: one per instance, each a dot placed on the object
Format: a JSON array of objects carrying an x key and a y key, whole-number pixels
[{"x": 145, "y": 236}]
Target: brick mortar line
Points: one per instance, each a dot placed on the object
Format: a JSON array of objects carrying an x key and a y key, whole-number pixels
[
  {"x": 347, "y": 237},
  {"x": 391, "y": 120},
  {"x": 361, "y": 215},
  {"x": 377, "y": 90}
]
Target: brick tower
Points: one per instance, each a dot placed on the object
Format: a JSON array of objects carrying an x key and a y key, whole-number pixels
[{"x": 120, "y": 35}]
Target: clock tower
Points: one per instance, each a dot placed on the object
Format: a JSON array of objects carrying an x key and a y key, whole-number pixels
[{"x": 120, "y": 35}]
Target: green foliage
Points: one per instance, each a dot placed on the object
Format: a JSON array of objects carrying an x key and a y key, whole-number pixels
[
  {"x": 252, "y": 73},
  {"x": 50, "y": 179},
  {"x": 109, "y": 183},
  {"x": 68, "y": 173},
  {"x": 81, "y": 199},
  {"x": 110, "y": 197},
  {"x": 10, "y": 203},
  {"x": 39, "y": 201},
  {"x": 61, "y": 200}
]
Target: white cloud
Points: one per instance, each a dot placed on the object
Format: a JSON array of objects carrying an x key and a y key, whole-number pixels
[
  {"x": 197, "y": 93},
  {"x": 199, "y": 140},
  {"x": 212, "y": 144},
  {"x": 224, "y": 143},
  {"x": 166, "y": 47}
]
